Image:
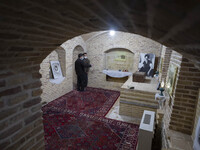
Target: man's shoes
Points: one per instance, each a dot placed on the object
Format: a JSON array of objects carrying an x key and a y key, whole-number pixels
[{"x": 82, "y": 90}]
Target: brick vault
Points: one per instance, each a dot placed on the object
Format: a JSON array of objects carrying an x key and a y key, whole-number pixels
[{"x": 31, "y": 29}]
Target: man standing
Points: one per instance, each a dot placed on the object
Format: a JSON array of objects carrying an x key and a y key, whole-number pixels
[
  {"x": 87, "y": 64},
  {"x": 80, "y": 72}
]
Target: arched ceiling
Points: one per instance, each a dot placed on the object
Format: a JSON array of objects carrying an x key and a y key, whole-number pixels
[{"x": 33, "y": 28}]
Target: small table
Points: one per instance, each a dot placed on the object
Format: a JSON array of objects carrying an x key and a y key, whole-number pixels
[
  {"x": 160, "y": 100},
  {"x": 138, "y": 76}
]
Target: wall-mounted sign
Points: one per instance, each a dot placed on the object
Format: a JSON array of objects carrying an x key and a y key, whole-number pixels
[{"x": 56, "y": 69}]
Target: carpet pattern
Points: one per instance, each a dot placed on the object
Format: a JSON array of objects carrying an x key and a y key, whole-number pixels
[
  {"x": 76, "y": 121},
  {"x": 93, "y": 101},
  {"x": 88, "y": 132}
]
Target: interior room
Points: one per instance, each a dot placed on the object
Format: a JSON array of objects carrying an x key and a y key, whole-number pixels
[{"x": 139, "y": 90}]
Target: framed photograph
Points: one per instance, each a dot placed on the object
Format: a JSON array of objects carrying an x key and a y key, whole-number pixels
[
  {"x": 171, "y": 79},
  {"x": 161, "y": 65},
  {"x": 146, "y": 64},
  {"x": 56, "y": 69},
  {"x": 196, "y": 144}
]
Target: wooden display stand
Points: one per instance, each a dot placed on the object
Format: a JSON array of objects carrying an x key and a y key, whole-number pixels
[{"x": 139, "y": 76}]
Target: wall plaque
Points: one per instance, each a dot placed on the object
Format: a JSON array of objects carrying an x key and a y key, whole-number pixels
[{"x": 56, "y": 69}]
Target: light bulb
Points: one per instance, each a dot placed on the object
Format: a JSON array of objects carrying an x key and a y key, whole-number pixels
[
  {"x": 168, "y": 85},
  {"x": 112, "y": 32},
  {"x": 162, "y": 84}
]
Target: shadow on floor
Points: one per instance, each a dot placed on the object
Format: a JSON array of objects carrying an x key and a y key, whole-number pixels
[{"x": 157, "y": 140}]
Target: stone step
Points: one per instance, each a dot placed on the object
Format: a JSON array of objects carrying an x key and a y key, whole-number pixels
[
  {"x": 140, "y": 93},
  {"x": 136, "y": 91},
  {"x": 138, "y": 103},
  {"x": 136, "y": 98}
]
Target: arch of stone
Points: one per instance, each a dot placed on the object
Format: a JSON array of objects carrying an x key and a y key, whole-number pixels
[{"x": 31, "y": 30}]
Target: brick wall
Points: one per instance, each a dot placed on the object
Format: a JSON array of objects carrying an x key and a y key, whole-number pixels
[
  {"x": 21, "y": 125},
  {"x": 179, "y": 111},
  {"x": 185, "y": 99},
  {"x": 166, "y": 56},
  {"x": 96, "y": 53},
  {"x": 176, "y": 60},
  {"x": 31, "y": 30},
  {"x": 64, "y": 54},
  {"x": 98, "y": 45},
  {"x": 133, "y": 110},
  {"x": 51, "y": 91},
  {"x": 62, "y": 59}
]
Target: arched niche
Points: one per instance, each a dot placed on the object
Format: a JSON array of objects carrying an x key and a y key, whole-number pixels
[
  {"x": 57, "y": 86},
  {"x": 77, "y": 50},
  {"x": 62, "y": 60},
  {"x": 119, "y": 59}
]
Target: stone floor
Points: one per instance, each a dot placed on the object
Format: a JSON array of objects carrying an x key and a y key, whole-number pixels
[
  {"x": 177, "y": 140},
  {"x": 180, "y": 141},
  {"x": 114, "y": 114}
]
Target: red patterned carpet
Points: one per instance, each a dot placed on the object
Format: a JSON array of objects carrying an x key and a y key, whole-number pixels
[
  {"x": 72, "y": 128},
  {"x": 93, "y": 101}
]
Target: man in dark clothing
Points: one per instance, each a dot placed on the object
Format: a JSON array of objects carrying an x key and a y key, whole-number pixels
[
  {"x": 80, "y": 72},
  {"x": 87, "y": 63}
]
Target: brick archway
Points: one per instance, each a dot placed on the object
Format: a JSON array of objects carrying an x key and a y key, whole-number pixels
[{"x": 30, "y": 30}]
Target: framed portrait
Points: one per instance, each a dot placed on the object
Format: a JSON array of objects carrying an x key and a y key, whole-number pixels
[
  {"x": 56, "y": 69},
  {"x": 146, "y": 64},
  {"x": 171, "y": 79}
]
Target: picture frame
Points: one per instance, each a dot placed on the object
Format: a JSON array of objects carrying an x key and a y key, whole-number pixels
[
  {"x": 161, "y": 64},
  {"x": 56, "y": 69},
  {"x": 146, "y": 63},
  {"x": 171, "y": 79}
]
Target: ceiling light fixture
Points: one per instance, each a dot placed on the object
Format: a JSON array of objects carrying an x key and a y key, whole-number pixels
[{"x": 112, "y": 32}]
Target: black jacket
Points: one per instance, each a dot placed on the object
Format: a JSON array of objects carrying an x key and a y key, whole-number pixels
[
  {"x": 80, "y": 66},
  {"x": 86, "y": 63}
]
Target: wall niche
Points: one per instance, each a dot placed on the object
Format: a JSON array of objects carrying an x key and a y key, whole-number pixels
[{"x": 119, "y": 59}]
